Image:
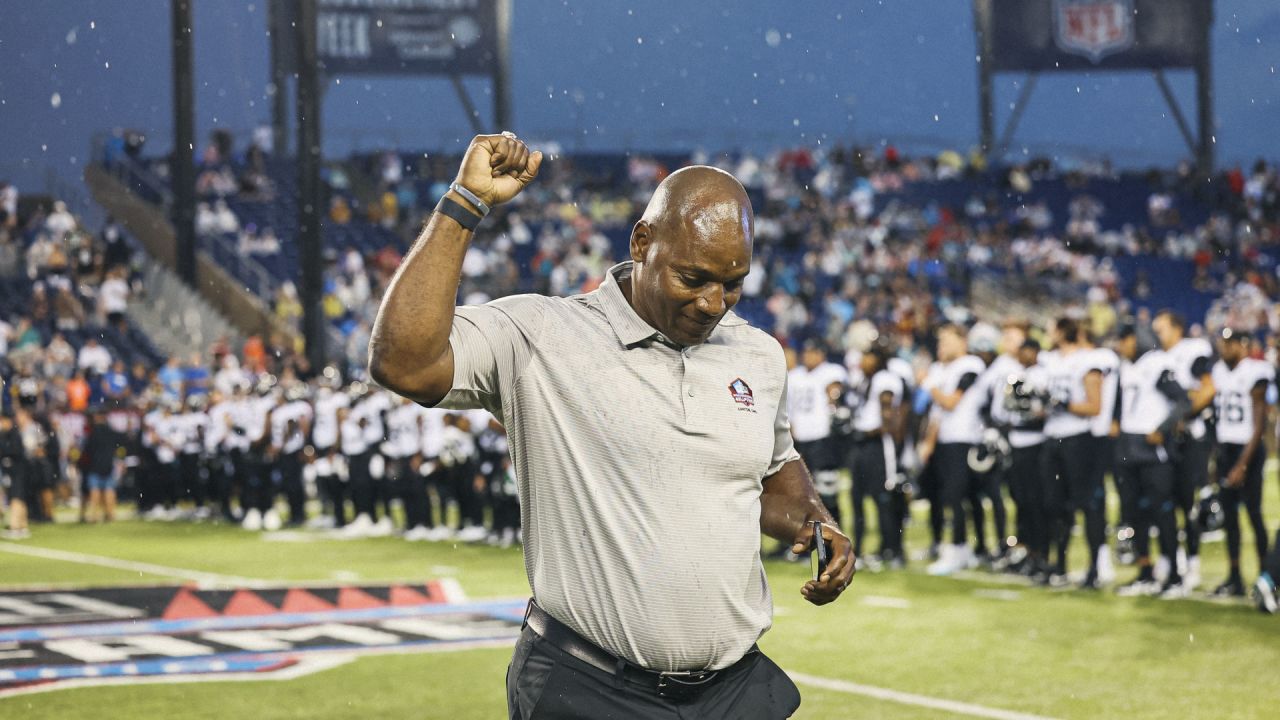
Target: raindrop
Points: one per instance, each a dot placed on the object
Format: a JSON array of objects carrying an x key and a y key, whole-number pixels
[
  {"x": 772, "y": 38},
  {"x": 71, "y": 36},
  {"x": 56, "y": 100}
]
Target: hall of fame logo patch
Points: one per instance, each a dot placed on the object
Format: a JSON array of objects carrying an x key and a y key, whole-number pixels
[{"x": 742, "y": 395}]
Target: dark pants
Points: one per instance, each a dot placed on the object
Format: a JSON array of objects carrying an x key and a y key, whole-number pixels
[
  {"x": 1075, "y": 486},
  {"x": 461, "y": 482},
  {"x": 955, "y": 484},
  {"x": 191, "y": 480},
  {"x": 870, "y": 475},
  {"x": 820, "y": 457},
  {"x": 361, "y": 485},
  {"x": 545, "y": 683},
  {"x": 1027, "y": 486},
  {"x": 290, "y": 465},
  {"x": 1151, "y": 489},
  {"x": 1250, "y": 494},
  {"x": 412, "y": 489},
  {"x": 1190, "y": 473}
]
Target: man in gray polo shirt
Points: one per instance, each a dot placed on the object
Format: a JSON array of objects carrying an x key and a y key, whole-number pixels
[{"x": 648, "y": 429}]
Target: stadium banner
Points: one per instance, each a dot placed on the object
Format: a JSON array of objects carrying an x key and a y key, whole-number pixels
[
  {"x": 94, "y": 636},
  {"x": 1075, "y": 35},
  {"x": 401, "y": 37}
]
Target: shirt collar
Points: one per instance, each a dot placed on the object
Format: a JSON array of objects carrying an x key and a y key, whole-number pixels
[{"x": 627, "y": 325}]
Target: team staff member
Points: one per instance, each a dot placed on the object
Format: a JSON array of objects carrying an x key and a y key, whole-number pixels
[
  {"x": 1192, "y": 363},
  {"x": 1240, "y": 388},
  {"x": 1150, "y": 406},
  {"x": 634, "y": 413},
  {"x": 809, "y": 389}
]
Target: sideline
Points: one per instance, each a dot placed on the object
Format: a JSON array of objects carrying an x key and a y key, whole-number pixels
[{"x": 905, "y": 698}]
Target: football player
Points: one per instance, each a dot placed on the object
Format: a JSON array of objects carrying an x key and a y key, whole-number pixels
[
  {"x": 1240, "y": 390},
  {"x": 1075, "y": 392},
  {"x": 874, "y": 433},
  {"x": 809, "y": 407},
  {"x": 290, "y": 428},
  {"x": 1193, "y": 361},
  {"x": 954, "y": 428},
  {"x": 1151, "y": 405},
  {"x": 1019, "y": 405}
]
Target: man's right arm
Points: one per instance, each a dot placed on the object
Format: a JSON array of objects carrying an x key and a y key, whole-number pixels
[{"x": 409, "y": 350}]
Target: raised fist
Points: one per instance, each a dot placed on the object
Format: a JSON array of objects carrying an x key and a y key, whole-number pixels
[{"x": 497, "y": 167}]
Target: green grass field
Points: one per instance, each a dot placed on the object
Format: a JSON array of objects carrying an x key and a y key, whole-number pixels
[{"x": 982, "y": 640}]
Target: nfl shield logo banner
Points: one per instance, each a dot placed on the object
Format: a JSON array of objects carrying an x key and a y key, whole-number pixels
[{"x": 1093, "y": 28}]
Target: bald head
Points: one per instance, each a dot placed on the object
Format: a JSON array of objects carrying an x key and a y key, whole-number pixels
[
  {"x": 691, "y": 249},
  {"x": 701, "y": 202}
]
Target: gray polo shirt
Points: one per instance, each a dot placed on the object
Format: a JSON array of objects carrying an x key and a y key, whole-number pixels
[{"x": 640, "y": 467}]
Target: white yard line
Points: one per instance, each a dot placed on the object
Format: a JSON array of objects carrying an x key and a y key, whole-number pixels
[
  {"x": 207, "y": 579},
  {"x": 905, "y": 698}
]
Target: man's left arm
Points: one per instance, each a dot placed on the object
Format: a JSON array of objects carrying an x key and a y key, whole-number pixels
[{"x": 788, "y": 505}]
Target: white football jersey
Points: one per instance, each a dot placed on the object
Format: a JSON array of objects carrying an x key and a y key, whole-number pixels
[
  {"x": 324, "y": 429},
  {"x": 963, "y": 423},
  {"x": 1066, "y": 373},
  {"x": 1190, "y": 355},
  {"x": 219, "y": 426},
  {"x": 193, "y": 424},
  {"x": 808, "y": 406},
  {"x": 297, "y": 411},
  {"x": 1108, "y": 362},
  {"x": 1144, "y": 407},
  {"x": 371, "y": 409},
  {"x": 1233, "y": 398},
  {"x": 867, "y": 416},
  {"x": 1002, "y": 372},
  {"x": 404, "y": 431}
]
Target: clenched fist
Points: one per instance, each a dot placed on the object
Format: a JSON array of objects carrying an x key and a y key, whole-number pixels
[{"x": 497, "y": 167}]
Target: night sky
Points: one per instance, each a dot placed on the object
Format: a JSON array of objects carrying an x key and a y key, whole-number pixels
[{"x": 612, "y": 75}]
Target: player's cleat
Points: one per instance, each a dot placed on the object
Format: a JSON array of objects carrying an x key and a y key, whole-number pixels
[
  {"x": 869, "y": 563},
  {"x": 360, "y": 527},
  {"x": 1231, "y": 587},
  {"x": 1139, "y": 587},
  {"x": 472, "y": 533},
  {"x": 1175, "y": 589},
  {"x": 1106, "y": 568},
  {"x": 417, "y": 534},
  {"x": 252, "y": 520},
  {"x": 439, "y": 533},
  {"x": 1091, "y": 581},
  {"x": 1264, "y": 594},
  {"x": 321, "y": 522},
  {"x": 1162, "y": 569},
  {"x": 382, "y": 528},
  {"x": 201, "y": 514},
  {"x": 1191, "y": 578},
  {"x": 508, "y": 538},
  {"x": 157, "y": 512},
  {"x": 1182, "y": 562},
  {"x": 271, "y": 520},
  {"x": 22, "y": 534},
  {"x": 951, "y": 558}
]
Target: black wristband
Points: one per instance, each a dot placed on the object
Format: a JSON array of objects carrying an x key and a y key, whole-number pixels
[{"x": 453, "y": 209}]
